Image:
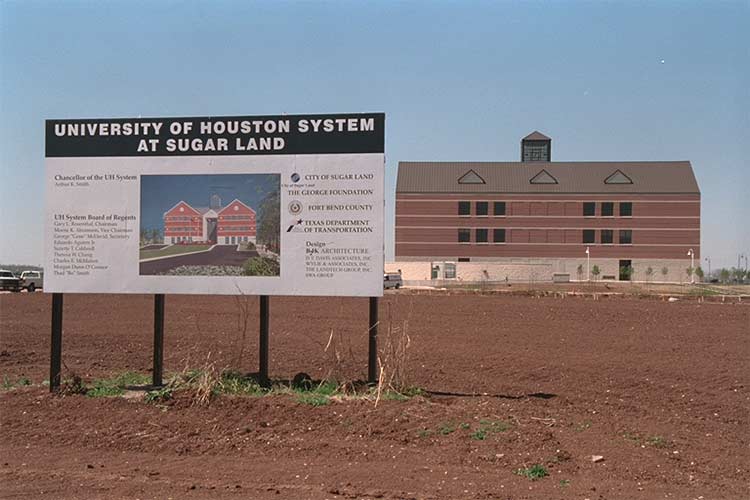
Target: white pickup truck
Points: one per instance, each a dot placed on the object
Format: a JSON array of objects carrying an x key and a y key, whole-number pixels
[
  {"x": 8, "y": 281},
  {"x": 31, "y": 280}
]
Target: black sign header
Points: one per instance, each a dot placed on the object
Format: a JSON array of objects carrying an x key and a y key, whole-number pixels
[{"x": 209, "y": 136}]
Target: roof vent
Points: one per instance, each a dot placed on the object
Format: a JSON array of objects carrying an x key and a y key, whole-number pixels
[
  {"x": 618, "y": 178},
  {"x": 543, "y": 177},
  {"x": 470, "y": 177}
]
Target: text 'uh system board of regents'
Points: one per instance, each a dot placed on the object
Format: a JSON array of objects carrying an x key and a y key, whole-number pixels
[{"x": 257, "y": 205}]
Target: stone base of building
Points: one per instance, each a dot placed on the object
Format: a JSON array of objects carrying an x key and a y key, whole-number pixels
[{"x": 420, "y": 271}]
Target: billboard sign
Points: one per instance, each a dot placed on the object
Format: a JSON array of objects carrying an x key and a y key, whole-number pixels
[{"x": 261, "y": 205}]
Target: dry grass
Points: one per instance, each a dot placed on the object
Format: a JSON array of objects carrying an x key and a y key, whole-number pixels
[
  {"x": 393, "y": 356},
  {"x": 243, "y": 319},
  {"x": 339, "y": 357}
]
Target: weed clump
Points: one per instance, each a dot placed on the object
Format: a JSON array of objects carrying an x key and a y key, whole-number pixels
[
  {"x": 487, "y": 427},
  {"x": 158, "y": 395},
  {"x": 319, "y": 395},
  {"x": 533, "y": 473},
  {"x": 7, "y": 384},
  {"x": 115, "y": 386},
  {"x": 657, "y": 442}
]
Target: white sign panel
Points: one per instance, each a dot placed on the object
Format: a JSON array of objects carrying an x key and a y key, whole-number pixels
[{"x": 270, "y": 205}]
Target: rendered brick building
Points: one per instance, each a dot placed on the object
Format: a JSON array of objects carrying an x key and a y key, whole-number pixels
[
  {"x": 224, "y": 225},
  {"x": 531, "y": 219}
]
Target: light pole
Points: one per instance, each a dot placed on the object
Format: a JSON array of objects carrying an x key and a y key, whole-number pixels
[
  {"x": 692, "y": 265},
  {"x": 588, "y": 261},
  {"x": 708, "y": 259}
]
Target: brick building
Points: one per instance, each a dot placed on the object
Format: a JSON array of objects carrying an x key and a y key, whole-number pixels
[
  {"x": 531, "y": 219},
  {"x": 224, "y": 225}
]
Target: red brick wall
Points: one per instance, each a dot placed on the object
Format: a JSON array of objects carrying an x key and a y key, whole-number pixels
[{"x": 663, "y": 226}]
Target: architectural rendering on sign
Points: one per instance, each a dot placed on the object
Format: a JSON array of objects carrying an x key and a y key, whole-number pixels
[
  {"x": 535, "y": 219},
  {"x": 238, "y": 238}
]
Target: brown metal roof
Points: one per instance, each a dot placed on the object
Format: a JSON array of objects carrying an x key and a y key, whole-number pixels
[
  {"x": 572, "y": 177},
  {"x": 536, "y": 136}
]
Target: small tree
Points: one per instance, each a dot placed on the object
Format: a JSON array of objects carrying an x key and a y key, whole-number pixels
[
  {"x": 579, "y": 272},
  {"x": 595, "y": 271},
  {"x": 626, "y": 272},
  {"x": 649, "y": 273},
  {"x": 664, "y": 272},
  {"x": 699, "y": 273},
  {"x": 724, "y": 275},
  {"x": 689, "y": 271},
  {"x": 738, "y": 273}
]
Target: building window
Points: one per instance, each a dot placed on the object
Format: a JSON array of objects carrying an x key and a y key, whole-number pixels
[
  {"x": 535, "y": 151},
  {"x": 606, "y": 236},
  {"x": 464, "y": 235},
  {"x": 480, "y": 236},
  {"x": 626, "y": 237},
  {"x": 464, "y": 208},
  {"x": 626, "y": 209},
  {"x": 589, "y": 236},
  {"x": 482, "y": 207},
  {"x": 499, "y": 208},
  {"x": 498, "y": 235},
  {"x": 589, "y": 209},
  {"x": 464, "y": 259},
  {"x": 449, "y": 272},
  {"x": 608, "y": 209}
]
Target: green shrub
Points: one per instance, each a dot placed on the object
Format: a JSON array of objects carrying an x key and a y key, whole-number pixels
[{"x": 260, "y": 266}]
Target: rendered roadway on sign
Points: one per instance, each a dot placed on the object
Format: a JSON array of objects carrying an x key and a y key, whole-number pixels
[{"x": 219, "y": 255}]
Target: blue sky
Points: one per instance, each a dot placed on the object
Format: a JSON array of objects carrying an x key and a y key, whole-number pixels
[
  {"x": 159, "y": 193},
  {"x": 457, "y": 81}
]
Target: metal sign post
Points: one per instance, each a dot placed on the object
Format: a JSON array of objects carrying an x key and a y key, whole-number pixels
[
  {"x": 263, "y": 344},
  {"x": 372, "y": 353},
  {"x": 158, "y": 370},
  {"x": 55, "y": 364}
]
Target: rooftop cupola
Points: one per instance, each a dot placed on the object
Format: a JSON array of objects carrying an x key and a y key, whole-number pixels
[{"x": 536, "y": 147}]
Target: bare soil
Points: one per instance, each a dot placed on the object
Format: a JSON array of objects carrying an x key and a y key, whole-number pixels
[{"x": 660, "y": 390}]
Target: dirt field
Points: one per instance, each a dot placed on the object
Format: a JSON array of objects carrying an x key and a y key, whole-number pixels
[{"x": 659, "y": 390}]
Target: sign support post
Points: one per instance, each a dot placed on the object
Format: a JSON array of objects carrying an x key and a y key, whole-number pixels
[
  {"x": 372, "y": 352},
  {"x": 158, "y": 369},
  {"x": 263, "y": 378},
  {"x": 55, "y": 364}
]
